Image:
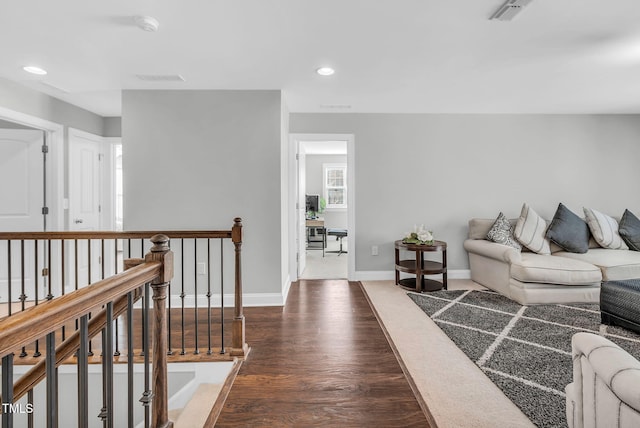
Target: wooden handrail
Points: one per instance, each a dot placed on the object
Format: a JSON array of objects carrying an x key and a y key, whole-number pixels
[
  {"x": 67, "y": 348},
  {"x": 35, "y": 322},
  {"x": 176, "y": 234}
]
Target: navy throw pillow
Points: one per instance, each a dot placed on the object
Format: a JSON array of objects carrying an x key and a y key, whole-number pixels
[
  {"x": 629, "y": 230},
  {"x": 569, "y": 231}
]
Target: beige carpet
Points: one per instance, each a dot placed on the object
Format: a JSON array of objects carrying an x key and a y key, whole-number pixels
[{"x": 455, "y": 390}]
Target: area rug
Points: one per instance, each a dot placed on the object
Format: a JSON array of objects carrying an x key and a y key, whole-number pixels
[{"x": 524, "y": 350}]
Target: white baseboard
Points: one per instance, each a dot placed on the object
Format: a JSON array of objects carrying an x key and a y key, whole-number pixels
[
  {"x": 248, "y": 299},
  {"x": 381, "y": 275}
]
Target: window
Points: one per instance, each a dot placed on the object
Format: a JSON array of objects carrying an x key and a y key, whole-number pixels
[{"x": 335, "y": 185}]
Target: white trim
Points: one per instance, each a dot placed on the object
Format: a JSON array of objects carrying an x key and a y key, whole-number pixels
[
  {"x": 109, "y": 185},
  {"x": 383, "y": 275},
  {"x": 248, "y": 299},
  {"x": 294, "y": 140},
  {"x": 286, "y": 286},
  {"x": 55, "y": 161}
]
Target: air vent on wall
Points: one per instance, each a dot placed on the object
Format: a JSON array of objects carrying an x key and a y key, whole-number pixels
[
  {"x": 510, "y": 9},
  {"x": 160, "y": 77}
]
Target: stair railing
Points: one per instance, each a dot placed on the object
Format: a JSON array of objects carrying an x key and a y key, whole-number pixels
[
  {"x": 39, "y": 266},
  {"x": 45, "y": 319},
  {"x": 56, "y": 256}
]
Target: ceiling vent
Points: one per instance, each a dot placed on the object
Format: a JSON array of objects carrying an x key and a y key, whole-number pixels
[
  {"x": 510, "y": 9},
  {"x": 160, "y": 77}
]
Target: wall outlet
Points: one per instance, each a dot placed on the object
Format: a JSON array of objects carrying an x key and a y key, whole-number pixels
[
  {"x": 202, "y": 269},
  {"x": 374, "y": 250}
]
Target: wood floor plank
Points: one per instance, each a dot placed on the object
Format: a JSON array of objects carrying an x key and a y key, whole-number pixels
[{"x": 322, "y": 360}]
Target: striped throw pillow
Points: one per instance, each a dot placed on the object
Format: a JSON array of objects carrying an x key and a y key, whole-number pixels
[
  {"x": 530, "y": 231},
  {"x": 604, "y": 229}
]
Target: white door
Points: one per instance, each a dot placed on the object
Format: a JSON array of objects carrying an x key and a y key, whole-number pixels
[
  {"x": 22, "y": 178},
  {"x": 21, "y": 202},
  {"x": 85, "y": 153},
  {"x": 301, "y": 210}
]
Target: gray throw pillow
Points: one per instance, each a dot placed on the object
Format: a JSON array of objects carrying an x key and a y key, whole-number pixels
[
  {"x": 629, "y": 229},
  {"x": 569, "y": 231},
  {"x": 502, "y": 233}
]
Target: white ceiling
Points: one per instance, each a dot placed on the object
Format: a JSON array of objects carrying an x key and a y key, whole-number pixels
[{"x": 558, "y": 56}]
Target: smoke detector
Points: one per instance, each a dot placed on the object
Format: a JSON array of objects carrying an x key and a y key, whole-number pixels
[
  {"x": 147, "y": 23},
  {"x": 509, "y": 10}
]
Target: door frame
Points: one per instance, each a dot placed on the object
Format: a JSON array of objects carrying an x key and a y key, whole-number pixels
[
  {"x": 55, "y": 162},
  {"x": 294, "y": 147}
]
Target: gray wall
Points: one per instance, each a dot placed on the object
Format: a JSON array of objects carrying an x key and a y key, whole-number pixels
[
  {"x": 197, "y": 159},
  {"x": 20, "y": 98},
  {"x": 10, "y": 125},
  {"x": 112, "y": 127},
  {"x": 314, "y": 181},
  {"x": 442, "y": 170}
]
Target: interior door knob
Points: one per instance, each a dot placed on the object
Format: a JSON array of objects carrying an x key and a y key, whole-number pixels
[{"x": 78, "y": 221}]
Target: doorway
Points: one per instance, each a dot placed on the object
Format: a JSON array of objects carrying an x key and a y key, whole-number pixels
[
  {"x": 324, "y": 172},
  {"x": 31, "y": 170}
]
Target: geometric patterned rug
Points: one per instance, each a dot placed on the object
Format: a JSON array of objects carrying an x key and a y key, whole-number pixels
[{"x": 524, "y": 350}]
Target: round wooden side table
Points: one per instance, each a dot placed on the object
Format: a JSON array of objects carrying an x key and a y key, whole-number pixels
[{"x": 421, "y": 267}]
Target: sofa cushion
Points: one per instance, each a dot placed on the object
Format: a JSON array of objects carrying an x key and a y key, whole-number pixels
[
  {"x": 604, "y": 229},
  {"x": 614, "y": 264},
  {"x": 569, "y": 231},
  {"x": 554, "y": 270},
  {"x": 502, "y": 233},
  {"x": 530, "y": 230},
  {"x": 629, "y": 230}
]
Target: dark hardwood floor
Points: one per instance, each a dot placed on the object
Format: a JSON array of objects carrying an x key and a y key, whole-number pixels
[{"x": 321, "y": 361}]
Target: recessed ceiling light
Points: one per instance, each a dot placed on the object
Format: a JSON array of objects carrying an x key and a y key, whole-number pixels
[
  {"x": 325, "y": 71},
  {"x": 35, "y": 70}
]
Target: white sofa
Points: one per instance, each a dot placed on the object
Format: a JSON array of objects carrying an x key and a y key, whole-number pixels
[
  {"x": 605, "y": 391},
  {"x": 531, "y": 278}
]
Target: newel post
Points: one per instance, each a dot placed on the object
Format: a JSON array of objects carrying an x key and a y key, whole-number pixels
[
  {"x": 160, "y": 252},
  {"x": 238, "y": 346}
]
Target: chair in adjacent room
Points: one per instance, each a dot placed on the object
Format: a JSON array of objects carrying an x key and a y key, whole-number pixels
[{"x": 339, "y": 234}]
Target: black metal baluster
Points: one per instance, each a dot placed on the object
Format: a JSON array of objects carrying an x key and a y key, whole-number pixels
[
  {"x": 89, "y": 262},
  {"x": 195, "y": 292},
  {"x": 75, "y": 268},
  {"x": 145, "y": 325},
  {"x": 35, "y": 246},
  {"x": 62, "y": 280},
  {"x": 106, "y": 413},
  {"x": 222, "y": 351},
  {"x": 88, "y": 283},
  {"x": 130, "y": 358},
  {"x": 169, "y": 350},
  {"x": 147, "y": 395},
  {"x": 182, "y": 295},
  {"x": 83, "y": 373},
  {"x": 30, "y": 403},
  {"x": 7, "y": 389},
  {"x": 52, "y": 381},
  {"x": 23, "y": 296},
  {"x": 9, "y": 275},
  {"x": 115, "y": 272},
  {"x": 208, "y": 296},
  {"x": 47, "y": 271}
]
